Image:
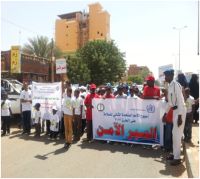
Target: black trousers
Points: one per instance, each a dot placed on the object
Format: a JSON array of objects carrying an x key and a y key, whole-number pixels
[
  {"x": 83, "y": 125},
  {"x": 89, "y": 130},
  {"x": 5, "y": 124},
  {"x": 53, "y": 134},
  {"x": 26, "y": 121},
  {"x": 62, "y": 127},
  {"x": 48, "y": 123},
  {"x": 77, "y": 126},
  {"x": 37, "y": 129}
]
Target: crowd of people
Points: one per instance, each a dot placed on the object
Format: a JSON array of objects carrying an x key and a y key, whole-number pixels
[{"x": 75, "y": 117}]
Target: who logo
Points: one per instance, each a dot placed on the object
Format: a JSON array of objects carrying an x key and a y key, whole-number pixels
[{"x": 150, "y": 108}]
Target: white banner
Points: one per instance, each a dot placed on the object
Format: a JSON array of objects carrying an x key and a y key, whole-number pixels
[
  {"x": 127, "y": 120},
  {"x": 61, "y": 66},
  {"x": 48, "y": 95}
]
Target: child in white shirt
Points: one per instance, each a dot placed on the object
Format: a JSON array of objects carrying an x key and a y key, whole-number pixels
[
  {"x": 46, "y": 117},
  {"x": 189, "y": 101},
  {"x": 5, "y": 114},
  {"x": 54, "y": 127},
  {"x": 37, "y": 120},
  {"x": 77, "y": 114}
]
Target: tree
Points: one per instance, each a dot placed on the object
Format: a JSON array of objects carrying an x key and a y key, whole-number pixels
[
  {"x": 145, "y": 72},
  {"x": 77, "y": 71},
  {"x": 41, "y": 47},
  {"x": 104, "y": 61},
  {"x": 136, "y": 79}
]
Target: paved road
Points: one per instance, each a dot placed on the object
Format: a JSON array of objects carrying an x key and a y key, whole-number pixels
[{"x": 25, "y": 156}]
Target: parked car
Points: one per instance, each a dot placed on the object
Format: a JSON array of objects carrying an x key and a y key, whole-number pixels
[{"x": 12, "y": 88}]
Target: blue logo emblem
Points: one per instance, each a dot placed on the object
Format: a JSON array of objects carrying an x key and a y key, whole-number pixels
[{"x": 150, "y": 108}]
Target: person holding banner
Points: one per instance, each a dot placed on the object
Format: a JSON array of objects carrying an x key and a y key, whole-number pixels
[
  {"x": 132, "y": 92},
  {"x": 88, "y": 104},
  {"x": 108, "y": 93},
  {"x": 26, "y": 100},
  {"x": 120, "y": 94},
  {"x": 68, "y": 118},
  {"x": 177, "y": 104},
  {"x": 150, "y": 90}
]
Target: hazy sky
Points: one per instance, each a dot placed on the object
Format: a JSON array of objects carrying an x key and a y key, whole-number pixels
[{"x": 141, "y": 29}]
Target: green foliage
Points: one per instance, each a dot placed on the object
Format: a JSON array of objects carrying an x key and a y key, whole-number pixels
[
  {"x": 144, "y": 73},
  {"x": 104, "y": 61},
  {"x": 77, "y": 71},
  {"x": 136, "y": 79},
  {"x": 41, "y": 47}
]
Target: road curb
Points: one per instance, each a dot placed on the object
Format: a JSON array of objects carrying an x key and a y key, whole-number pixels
[{"x": 188, "y": 165}]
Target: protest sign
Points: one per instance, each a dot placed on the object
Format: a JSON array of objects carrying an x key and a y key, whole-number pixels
[
  {"x": 127, "y": 120},
  {"x": 48, "y": 95}
]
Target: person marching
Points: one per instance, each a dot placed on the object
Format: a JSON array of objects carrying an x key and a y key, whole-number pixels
[
  {"x": 190, "y": 106},
  {"x": 177, "y": 104},
  {"x": 88, "y": 104},
  {"x": 151, "y": 91},
  {"x": 68, "y": 117},
  {"x": 26, "y": 100},
  {"x": 77, "y": 114},
  {"x": 54, "y": 123},
  {"x": 37, "y": 120},
  {"x": 6, "y": 114}
]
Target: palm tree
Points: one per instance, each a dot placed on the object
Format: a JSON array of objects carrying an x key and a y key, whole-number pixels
[{"x": 41, "y": 47}]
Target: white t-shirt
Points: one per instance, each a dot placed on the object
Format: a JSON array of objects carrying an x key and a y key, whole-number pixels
[
  {"x": 134, "y": 97},
  {"x": 77, "y": 103},
  {"x": 54, "y": 123},
  {"x": 5, "y": 108},
  {"x": 67, "y": 105},
  {"x": 46, "y": 116},
  {"x": 26, "y": 95},
  {"x": 37, "y": 116},
  {"x": 189, "y": 102},
  {"x": 84, "y": 112},
  {"x": 123, "y": 96},
  {"x": 60, "y": 114}
]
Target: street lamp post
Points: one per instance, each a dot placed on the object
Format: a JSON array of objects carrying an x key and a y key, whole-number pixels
[
  {"x": 52, "y": 61},
  {"x": 179, "y": 45}
]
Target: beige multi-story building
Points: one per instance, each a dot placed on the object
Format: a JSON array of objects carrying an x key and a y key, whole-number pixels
[
  {"x": 74, "y": 29},
  {"x": 136, "y": 70}
]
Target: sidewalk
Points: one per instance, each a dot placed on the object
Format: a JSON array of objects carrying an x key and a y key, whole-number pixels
[{"x": 191, "y": 152}]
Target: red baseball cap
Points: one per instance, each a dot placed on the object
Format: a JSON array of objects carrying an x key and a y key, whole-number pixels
[
  {"x": 93, "y": 86},
  {"x": 150, "y": 78}
]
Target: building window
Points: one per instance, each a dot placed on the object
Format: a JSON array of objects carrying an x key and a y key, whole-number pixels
[
  {"x": 67, "y": 26},
  {"x": 101, "y": 34},
  {"x": 98, "y": 32}
]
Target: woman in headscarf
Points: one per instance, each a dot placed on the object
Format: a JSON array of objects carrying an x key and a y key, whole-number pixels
[{"x": 194, "y": 92}]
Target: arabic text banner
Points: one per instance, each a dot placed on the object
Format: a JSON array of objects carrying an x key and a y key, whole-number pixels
[
  {"x": 127, "y": 120},
  {"x": 15, "y": 64},
  {"x": 48, "y": 95}
]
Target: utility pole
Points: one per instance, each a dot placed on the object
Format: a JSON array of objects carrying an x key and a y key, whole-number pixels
[{"x": 198, "y": 31}]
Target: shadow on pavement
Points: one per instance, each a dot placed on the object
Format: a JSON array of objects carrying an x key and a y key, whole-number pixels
[
  {"x": 43, "y": 138},
  {"x": 158, "y": 154},
  {"x": 174, "y": 171},
  {"x": 56, "y": 152},
  {"x": 142, "y": 150}
]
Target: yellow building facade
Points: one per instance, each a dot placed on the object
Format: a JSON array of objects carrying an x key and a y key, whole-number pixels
[{"x": 75, "y": 29}]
